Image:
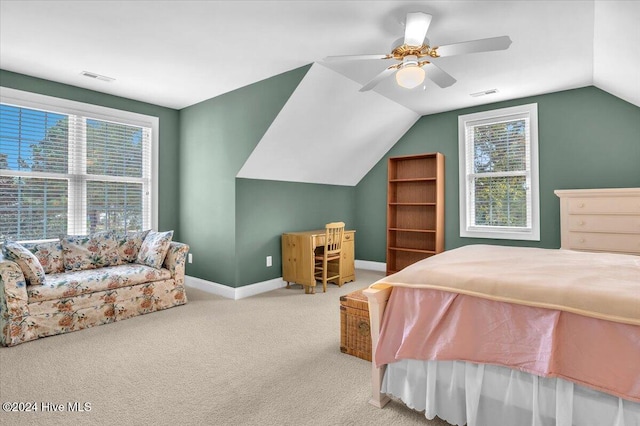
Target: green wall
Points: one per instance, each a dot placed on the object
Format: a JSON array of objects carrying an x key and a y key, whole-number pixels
[
  {"x": 266, "y": 209},
  {"x": 217, "y": 136},
  {"x": 587, "y": 138},
  {"x": 231, "y": 224},
  {"x": 169, "y": 154}
]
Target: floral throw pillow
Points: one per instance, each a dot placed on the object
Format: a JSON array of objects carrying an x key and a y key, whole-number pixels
[
  {"x": 27, "y": 262},
  {"x": 49, "y": 254},
  {"x": 89, "y": 251},
  {"x": 154, "y": 248},
  {"x": 129, "y": 245}
]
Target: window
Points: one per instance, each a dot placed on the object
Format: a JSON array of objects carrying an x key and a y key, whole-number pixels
[
  {"x": 73, "y": 168},
  {"x": 499, "y": 174}
]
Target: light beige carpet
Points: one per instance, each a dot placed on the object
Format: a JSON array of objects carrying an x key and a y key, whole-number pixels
[{"x": 271, "y": 359}]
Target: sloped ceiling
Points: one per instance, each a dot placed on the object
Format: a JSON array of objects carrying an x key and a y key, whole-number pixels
[
  {"x": 616, "y": 49},
  {"x": 328, "y": 132},
  {"x": 339, "y": 119},
  {"x": 177, "y": 53}
]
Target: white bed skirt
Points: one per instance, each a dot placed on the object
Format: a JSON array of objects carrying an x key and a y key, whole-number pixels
[{"x": 488, "y": 395}]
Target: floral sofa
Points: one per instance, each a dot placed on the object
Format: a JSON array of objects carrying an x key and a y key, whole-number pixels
[{"x": 81, "y": 281}]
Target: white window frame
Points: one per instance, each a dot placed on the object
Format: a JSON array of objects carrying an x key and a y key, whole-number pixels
[
  {"x": 467, "y": 229},
  {"x": 75, "y": 223}
]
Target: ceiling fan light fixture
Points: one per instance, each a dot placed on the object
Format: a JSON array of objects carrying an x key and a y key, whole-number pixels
[
  {"x": 415, "y": 54},
  {"x": 410, "y": 75}
]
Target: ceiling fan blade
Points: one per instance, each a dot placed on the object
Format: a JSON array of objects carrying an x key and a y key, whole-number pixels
[
  {"x": 416, "y": 27},
  {"x": 483, "y": 45},
  {"x": 355, "y": 57},
  {"x": 437, "y": 75},
  {"x": 377, "y": 79}
]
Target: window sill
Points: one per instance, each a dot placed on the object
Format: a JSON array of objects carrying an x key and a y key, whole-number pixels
[{"x": 502, "y": 235}]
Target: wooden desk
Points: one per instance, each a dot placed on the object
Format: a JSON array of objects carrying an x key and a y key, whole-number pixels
[{"x": 297, "y": 257}]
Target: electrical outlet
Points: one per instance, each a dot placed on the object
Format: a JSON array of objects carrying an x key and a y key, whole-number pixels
[
  {"x": 269, "y": 261},
  {"x": 190, "y": 258}
]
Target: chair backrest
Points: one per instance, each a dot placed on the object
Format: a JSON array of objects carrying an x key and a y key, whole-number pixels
[{"x": 334, "y": 233}]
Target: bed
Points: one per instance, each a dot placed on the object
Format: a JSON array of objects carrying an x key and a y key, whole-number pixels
[{"x": 486, "y": 335}]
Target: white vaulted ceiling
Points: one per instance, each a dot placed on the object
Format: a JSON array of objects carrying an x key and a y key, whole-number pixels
[
  {"x": 616, "y": 49},
  {"x": 307, "y": 143},
  {"x": 178, "y": 53}
]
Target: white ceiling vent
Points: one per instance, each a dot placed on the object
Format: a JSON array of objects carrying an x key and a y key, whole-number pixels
[
  {"x": 484, "y": 93},
  {"x": 97, "y": 76}
]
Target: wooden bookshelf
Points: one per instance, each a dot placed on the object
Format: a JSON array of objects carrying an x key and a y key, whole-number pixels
[{"x": 415, "y": 209}]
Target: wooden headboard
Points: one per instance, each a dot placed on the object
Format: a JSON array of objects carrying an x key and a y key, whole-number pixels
[{"x": 600, "y": 219}]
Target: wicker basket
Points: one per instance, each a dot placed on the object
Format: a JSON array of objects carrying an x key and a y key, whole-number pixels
[{"x": 355, "y": 331}]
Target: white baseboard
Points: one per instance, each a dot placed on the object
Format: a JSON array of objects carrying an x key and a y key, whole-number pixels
[
  {"x": 261, "y": 287},
  {"x": 371, "y": 266},
  {"x": 210, "y": 287},
  {"x": 233, "y": 293}
]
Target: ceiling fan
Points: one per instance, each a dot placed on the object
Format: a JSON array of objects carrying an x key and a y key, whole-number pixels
[{"x": 416, "y": 55}]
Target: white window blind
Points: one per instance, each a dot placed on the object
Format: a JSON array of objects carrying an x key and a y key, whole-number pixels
[
  {"x": 498, "y": 178},
  {"x": 71, "y": 173}
]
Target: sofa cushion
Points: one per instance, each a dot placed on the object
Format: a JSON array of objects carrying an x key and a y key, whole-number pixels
[
  {"x": 97, "y": 250},
  {"x": 123, "y": 302},
  {"x": 154, "y": 248},
  {"x": 133, "y": 273},
  {"x": 49, "y": 254},
  {"x": 74, "y": 283},
  {"x": 28, "y": 263},
  {"x": 129, "y": 244}
]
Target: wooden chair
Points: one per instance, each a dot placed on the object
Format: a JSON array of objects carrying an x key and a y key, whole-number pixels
[{"x": 331, "y": 252}]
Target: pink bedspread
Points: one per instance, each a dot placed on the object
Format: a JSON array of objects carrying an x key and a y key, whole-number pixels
[
  {"x": 430, "y": 324},
  {"x": 598, "y": 285}
]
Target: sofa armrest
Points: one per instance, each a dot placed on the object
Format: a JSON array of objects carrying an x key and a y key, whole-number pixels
[
  {"x": 13, "y": 290},
  {"x": 176, "y": 259},
  {"x": 13, "y": 302}
]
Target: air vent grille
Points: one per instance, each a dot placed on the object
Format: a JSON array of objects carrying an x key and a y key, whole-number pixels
[
  {"x": 97, "y": 76},
  {"x": 484, "y": 93}
]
